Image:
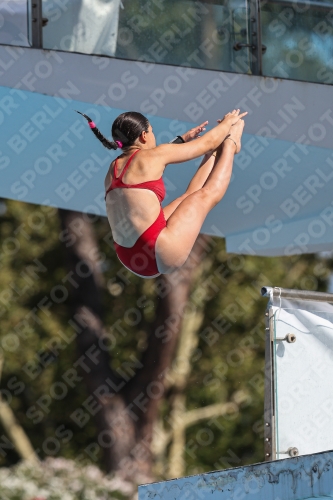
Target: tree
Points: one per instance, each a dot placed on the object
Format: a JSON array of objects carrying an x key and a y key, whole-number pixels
[
  {"x": 214, "y": 340},
  {"x": 128, "y": 410}
]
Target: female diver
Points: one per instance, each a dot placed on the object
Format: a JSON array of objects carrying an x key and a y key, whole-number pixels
[{"x": 150, "y": 240}]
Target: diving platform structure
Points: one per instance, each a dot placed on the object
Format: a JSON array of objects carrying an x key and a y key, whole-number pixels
[
  {"x": 297, "y": 417},
  {"x": 300, "y": 478}
]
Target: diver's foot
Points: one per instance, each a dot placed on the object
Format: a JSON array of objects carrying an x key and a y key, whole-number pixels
[{"x": 235, "y": 135}]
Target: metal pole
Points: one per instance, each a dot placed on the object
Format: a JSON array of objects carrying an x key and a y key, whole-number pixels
[
  {"x": 255, "y": 37},
  {"x": 288, "y": 293},
  {"x": 36, "y": 24},
  {"x": 260, "y": 48},
  {"x": 269, "y": 402}
]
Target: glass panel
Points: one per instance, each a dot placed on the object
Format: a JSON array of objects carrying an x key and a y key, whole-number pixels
[
  {"x": 299, "y": 39},
  {"x": 14, "y": 23},
  {"x": 186, "y": 32},
  {"x": 178, "y": 32},
  {"x": 87, "y": 26},
  {"x": 303, "y": 372}
]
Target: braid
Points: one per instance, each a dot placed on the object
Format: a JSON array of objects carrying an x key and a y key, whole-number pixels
[{"x": 106, "y": 143}]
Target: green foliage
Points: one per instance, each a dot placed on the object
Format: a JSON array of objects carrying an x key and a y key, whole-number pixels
[
  {"x": 227, "y": 366},
  {"x": 33, "y": 314}
]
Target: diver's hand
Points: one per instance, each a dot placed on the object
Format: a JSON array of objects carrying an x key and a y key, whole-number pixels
[{"x": 194, "y": 132}]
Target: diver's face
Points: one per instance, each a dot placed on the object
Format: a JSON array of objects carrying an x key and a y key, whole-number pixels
[{"x": 151, "y": 140}]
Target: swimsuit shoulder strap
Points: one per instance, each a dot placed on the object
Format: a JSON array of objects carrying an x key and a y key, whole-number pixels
[
  {"x": 115, "y": 168},
  {"x": 126, "y": 166}
]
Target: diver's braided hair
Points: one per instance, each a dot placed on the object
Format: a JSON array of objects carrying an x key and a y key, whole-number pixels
[
  {"x": 106, "y": 143},
  {"x": 126, "y": 128}
]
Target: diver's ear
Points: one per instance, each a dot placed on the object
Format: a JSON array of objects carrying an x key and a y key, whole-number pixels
[{"x": 143, "y": 137}]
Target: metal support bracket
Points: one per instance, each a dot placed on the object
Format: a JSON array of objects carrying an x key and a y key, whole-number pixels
[
  {"x": 239, "y": 46},
  {"x": 290, "y": 338},
  {"x": 292, "y": 452}
]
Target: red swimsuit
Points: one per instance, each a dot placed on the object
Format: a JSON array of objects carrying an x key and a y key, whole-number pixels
[{"x": 140, "y": 258}]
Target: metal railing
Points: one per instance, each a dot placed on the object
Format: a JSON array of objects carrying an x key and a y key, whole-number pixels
[{"x": 246, "y": 45}]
